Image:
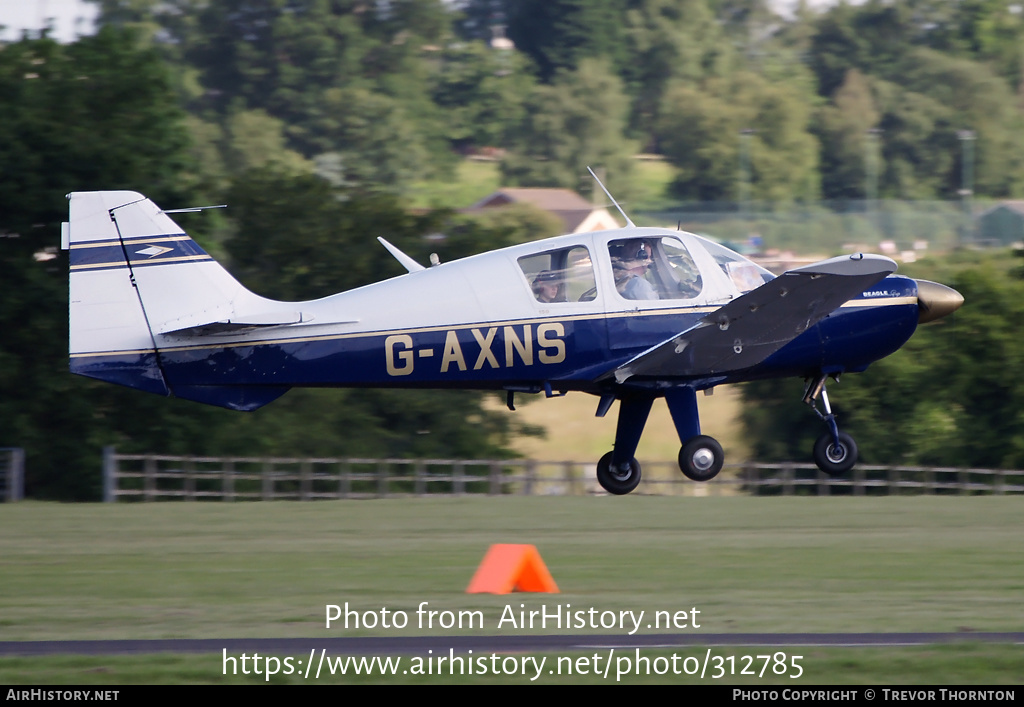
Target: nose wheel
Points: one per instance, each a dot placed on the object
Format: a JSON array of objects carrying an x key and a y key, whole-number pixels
[
  {"x": 835, "y": 458},
  {"x": 835, "y": 452}
]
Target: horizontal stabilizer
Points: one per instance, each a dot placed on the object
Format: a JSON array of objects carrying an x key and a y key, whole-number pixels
[
  {"x": 751, "y": 328},
  {"x": 245, "y": 398},
  {"x": 206, "y": 326}
]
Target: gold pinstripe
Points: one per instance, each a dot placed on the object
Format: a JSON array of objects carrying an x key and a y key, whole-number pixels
[{"x": 129, "y": 241}]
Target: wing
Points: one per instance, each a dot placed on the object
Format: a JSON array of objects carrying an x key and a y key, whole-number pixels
[{"x": 751, "y": 328}]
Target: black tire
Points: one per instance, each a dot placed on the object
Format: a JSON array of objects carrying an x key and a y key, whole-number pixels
[
  {"x": 617, "y": 482},
  {"x": 701, "y": 458},
  {"x": 835, "y": 460}
]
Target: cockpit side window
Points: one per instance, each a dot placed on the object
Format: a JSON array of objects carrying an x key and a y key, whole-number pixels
[
  {"x": 654, "y": 269},
  {"x": 565, "y": 275}
]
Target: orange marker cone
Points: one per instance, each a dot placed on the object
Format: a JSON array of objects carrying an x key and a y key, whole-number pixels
[{"x": 507, "y": 568}]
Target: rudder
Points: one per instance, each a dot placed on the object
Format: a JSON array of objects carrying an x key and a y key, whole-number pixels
[{"x": 135, "y": 275}]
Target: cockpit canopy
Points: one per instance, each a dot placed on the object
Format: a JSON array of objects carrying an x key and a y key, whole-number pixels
[{"x": 653, "y": 267}]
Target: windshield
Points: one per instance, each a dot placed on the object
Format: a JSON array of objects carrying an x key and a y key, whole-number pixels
[{"x": 743, "y": 273}]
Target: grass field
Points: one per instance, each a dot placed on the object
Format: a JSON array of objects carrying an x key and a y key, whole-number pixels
[{"x": 212, "y": 570}]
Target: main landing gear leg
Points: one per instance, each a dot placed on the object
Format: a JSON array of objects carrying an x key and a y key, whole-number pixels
[
  {"x": 701, "y": 457},
  {"x": 618, "y": 472},
  {"x": 835, "y": 452}
]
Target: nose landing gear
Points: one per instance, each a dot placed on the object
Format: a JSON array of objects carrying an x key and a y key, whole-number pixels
[{"x": 835, "y": 452}]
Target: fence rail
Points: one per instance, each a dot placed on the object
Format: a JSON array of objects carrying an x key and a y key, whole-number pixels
[{"x": 149, "y": 477}]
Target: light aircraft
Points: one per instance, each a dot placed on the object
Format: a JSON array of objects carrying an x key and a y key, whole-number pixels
[{"x": 632, "y": 314}]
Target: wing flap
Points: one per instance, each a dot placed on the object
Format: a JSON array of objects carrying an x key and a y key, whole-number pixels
[{"x": 747, "y": 330}]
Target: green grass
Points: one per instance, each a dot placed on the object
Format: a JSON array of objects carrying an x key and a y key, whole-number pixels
[
  {"x": 213, "y": 570},
  {"x": 473, "y": 181},
  {"x": 651, "y": 179}
]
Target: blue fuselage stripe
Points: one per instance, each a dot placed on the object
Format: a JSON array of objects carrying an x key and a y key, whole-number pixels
[{"x": 569, "y": 352}]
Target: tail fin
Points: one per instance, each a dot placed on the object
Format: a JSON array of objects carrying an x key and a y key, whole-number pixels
[{"x": 135, "y": 276}]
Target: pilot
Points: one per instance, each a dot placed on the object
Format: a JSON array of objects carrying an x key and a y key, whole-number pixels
[
  {"x": 546, "y": 286},
  {"x": 630, "y": 260}
]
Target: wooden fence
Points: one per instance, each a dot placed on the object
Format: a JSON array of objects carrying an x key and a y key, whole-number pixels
[
  {"x": 12, "y": 474},
  {"x": 156, "y": 477}
]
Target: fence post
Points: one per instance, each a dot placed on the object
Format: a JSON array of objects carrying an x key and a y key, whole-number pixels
[
  {"x": 109, "y": 474},
  {"x": 14, "y": 484},
  {"x": 382, "y": 480},
  {"x": 859, "y": 479},
  {"x": 459, "y": 478},
  {"x": 188, "y": 468},
  {"x": 344, "y": 479},
  {"x": 227, "y": 490},
  {"x": 494, "y": 479},
  {"x": 268, "y": 481},
  {"x": 419, "y": 473},
  {"x": 305, "y": 481},
  {"x": 149, "y": 469}
]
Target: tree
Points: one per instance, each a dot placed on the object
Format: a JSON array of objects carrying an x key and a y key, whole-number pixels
[
  {"x": 668, "y": 40},
  {"x": 844, "y": 128},
  {"x": 700, "y": 132},
  {"x": 380, "y": 145},
  {"x": 297, "y": 237},
  {"x": 924, "y": 96},
  {"x": 481, "y": 92},
  {"x": 576, "y": 122},
  {"x": 560, "y": 34},
  {"x": 96, "y": 114},
  {"x": 974, "y": 98}
]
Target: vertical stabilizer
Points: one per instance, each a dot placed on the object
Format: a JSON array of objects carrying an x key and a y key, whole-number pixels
[
  {"x": 109, "y": 337},
  {"x": 136, "y": 276}
]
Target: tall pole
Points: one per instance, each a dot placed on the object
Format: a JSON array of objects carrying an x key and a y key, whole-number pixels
[
  {"x": 744, "y": 195},
  {"x": 967, "y": 138},
  {"x": 871, "y": 177}
]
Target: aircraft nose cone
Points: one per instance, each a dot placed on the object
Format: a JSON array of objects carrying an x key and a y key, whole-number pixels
[{"x": 934, "y": 301}]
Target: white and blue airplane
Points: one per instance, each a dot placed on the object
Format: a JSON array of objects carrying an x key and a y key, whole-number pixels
[{"x": 631, "y": 314}]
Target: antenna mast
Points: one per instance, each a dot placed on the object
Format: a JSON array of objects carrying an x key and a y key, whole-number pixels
[{"x": 629, "y": 223}]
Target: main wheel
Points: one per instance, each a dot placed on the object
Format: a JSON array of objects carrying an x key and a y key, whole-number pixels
[
  {"x": 835, "y": 459},
  {"x": 701, "y": 458},
  {"x": 618, "y": 481}
]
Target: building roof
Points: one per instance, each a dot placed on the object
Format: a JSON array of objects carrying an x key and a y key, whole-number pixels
[
  {"x": 572, "y": 208},
  {"x": 1011, "y": 204}
]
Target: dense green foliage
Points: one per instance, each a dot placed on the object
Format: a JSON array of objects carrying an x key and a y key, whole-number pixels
[
  {"x": 319, "y": 117},
  {"x": 390, "y": 90},
  {"x": 100, "y": 113}
]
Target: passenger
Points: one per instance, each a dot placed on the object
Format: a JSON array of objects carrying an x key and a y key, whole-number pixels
[
  {"x": 547, "y": 286},
  {"x": 630, "y": 260}
]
